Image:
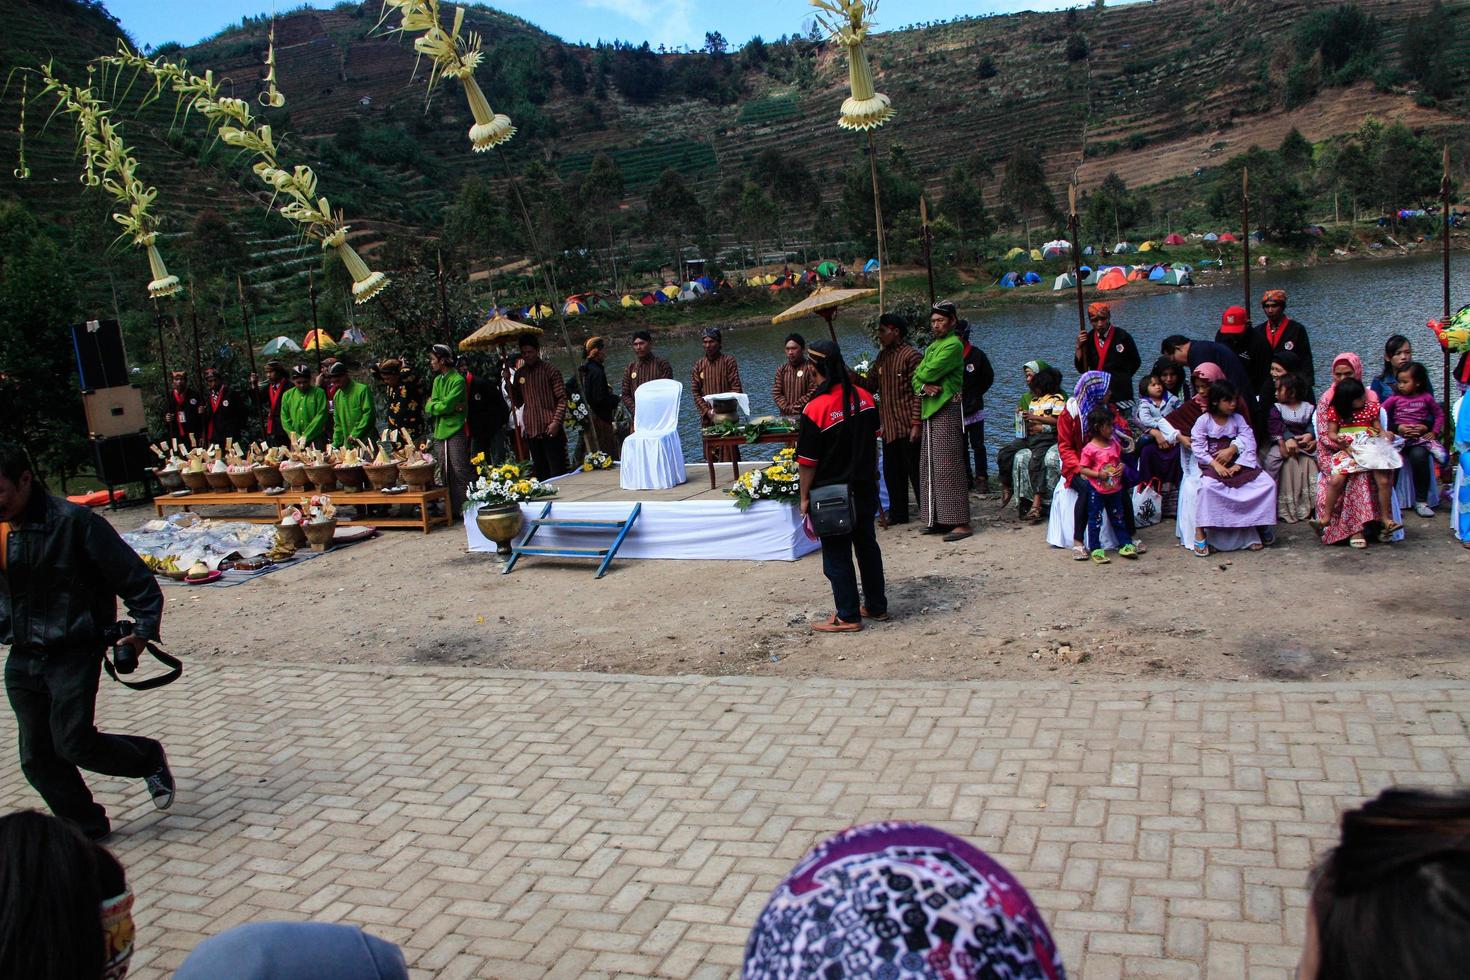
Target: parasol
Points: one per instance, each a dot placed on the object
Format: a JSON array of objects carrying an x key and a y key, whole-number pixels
[
  {"x": 824, "y": 303},
  {"x": 496, "y": 331}
]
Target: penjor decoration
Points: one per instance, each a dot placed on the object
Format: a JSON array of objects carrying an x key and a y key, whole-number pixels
[
  {"x": 453, "y": 54},
  {"x": 237, "y": 127},
  {"x": 271, "y": 97},
  {"x": 848, "y": 21},
  {"x": 108, "y": 163}
]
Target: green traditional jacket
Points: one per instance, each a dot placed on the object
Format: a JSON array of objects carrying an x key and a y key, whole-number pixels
[
  {"x": 943, "y": 365},
  {"x": 447, "y": 404},
  {"x": 352, "y": 414},
  {"x": 304, "y": 414}
]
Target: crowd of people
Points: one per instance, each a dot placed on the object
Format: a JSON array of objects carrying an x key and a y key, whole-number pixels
[{"x": 900, "y": 900}]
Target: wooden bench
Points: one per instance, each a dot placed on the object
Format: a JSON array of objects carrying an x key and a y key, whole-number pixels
[{"x": 341, "y": 498}]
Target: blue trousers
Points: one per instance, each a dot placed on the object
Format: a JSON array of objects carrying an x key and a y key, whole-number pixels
[{"x": 1113, "y": 504}]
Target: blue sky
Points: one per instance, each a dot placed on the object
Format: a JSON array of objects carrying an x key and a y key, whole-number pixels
[{"x": 669, "y": 22}]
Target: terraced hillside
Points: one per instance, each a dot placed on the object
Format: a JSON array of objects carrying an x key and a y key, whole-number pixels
[{"x": 1165, "y": 88}]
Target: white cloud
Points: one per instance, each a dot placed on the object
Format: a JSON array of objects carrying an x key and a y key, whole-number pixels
[{"x": 667, "y": 22}]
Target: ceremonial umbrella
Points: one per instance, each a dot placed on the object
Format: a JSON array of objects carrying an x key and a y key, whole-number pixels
[
  {"x": 824, "y": 303},
  {"x": 496, "y": 331}
]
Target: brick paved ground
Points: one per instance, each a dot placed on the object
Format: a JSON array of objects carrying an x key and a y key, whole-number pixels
[{"x": 505, "y": 825}]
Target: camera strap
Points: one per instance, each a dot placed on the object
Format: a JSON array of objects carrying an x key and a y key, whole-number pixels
[{"x": 174, "y": 665}]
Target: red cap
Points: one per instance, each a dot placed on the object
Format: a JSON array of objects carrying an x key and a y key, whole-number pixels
[{"x": 1235, "y": 320}]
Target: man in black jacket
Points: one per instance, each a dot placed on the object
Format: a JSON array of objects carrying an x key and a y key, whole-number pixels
[
  {"x": 62, "y": 569},
  {"x": 485, "y": 413},
  {"x": 979, "y": 376}
]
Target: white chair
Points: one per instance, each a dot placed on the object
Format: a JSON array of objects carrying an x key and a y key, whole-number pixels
[{"x": 653, "y": 458}]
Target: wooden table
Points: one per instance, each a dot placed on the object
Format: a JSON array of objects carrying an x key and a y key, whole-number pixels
[
  {"x": 283, "y": 501},
  {"x": 713, "y": 444}
]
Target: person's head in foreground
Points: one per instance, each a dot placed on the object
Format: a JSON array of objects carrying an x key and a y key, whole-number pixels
[
  {"x": 900, "y": 900},
  {"x": 1392, "y": 899},
  {"x": 65, "y": 909},
  {"x": 294, "y": 951}
]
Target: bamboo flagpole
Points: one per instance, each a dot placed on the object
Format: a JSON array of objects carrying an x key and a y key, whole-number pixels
[
  {"x": 1444, "y": 198},
  {"x": 1245, "y": 233},
  {"x": 245, "y": 320},
  {"x": 878, "y": 218},
  {"x": 443, "y": 302},
  {"x": 1074, "y": 226},
  {"x": 928, "y": 236},
  {"x": 316, "y": 331}
]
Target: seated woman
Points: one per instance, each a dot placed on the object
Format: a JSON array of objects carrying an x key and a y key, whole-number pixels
[
  {"x": 1291, "y": 459},
  {"x": 1234, "y": 492},
  {"x": 1171, "y": 373},
  {"x": 1352, "y": 428},
  {"x": 1044, "y": 403},
  {"x": 1356, "y": 512},
  {"x": 1177, "y": 426},
  {"x": 1158, "y": 458},
  {"x": 1069, "y": 501}
]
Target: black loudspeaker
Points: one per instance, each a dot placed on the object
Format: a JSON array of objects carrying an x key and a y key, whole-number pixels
[
  {"x": 123, "y": 459},
  {"x": 101, "y": 360}
]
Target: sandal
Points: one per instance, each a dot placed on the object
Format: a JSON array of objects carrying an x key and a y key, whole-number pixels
[
  {"x": 935, "y": 529},
  {"x": 1128, "y": 551},
  {"x": 1268, "y": 537},
  {"x": 1079, "y": 553},
  {"x": 1140, "y": 547},
  {"x": 1201, "y": 548},
  {"x": 1357, "y": 541},
  {"x": 1100, "y": 557},
  {"x": 881, "y": 617},
  {"x": 835, "y": 625},
  {"x": 1391, "y": 527},
  {"x": 1255, "y": 546},
  {"x": 954, "y": 536},
  {"x": 1005, "y": 496}
]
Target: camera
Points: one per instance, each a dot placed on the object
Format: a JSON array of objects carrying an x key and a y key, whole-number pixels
[{"x": 124, "y": 656}]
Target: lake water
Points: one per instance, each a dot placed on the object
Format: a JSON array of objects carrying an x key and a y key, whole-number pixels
[{"x": 1351, "y": 306}]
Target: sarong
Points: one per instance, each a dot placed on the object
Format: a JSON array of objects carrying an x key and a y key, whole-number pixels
[{"x": 944, "y": 488}]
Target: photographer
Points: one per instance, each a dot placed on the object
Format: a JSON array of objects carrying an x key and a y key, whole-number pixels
[{"x": 62, "y": 569}]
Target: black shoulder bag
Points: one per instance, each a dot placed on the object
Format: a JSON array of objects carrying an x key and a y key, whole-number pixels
[{"x": 830, "y": 507}]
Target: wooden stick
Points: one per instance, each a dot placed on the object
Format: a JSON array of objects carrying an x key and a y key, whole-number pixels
[
  {"x": 878, "y": 217},
  {"x": 1073, "y": 227},
  {"x": 1444, "y": 194},
  {"x": 1245, "y": 231}
]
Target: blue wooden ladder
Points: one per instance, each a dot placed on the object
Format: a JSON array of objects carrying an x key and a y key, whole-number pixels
[{"x": 545, "y": 520}]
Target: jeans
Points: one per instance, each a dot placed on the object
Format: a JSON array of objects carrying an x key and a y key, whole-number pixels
[
  {"x": 1417, "y": 457},
  {"x": 837, "y": 555},
  {"x": 54, "y": 694},
  {"x": 1083, "y": 489},
  {"x": 549, "y": 455},
  {"x": 900, "y": 464},
  {"x": 1114, "y": 505}
]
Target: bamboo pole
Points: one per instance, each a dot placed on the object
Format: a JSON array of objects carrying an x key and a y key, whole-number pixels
[
  {"x": 1245, "y": 232},
  {"x": 162, "y": 356},
  {"x": 1444, "y": 195},
  {"x": 316, "y": 331},
  {"x": 878, "y": 217},
  {"x": 928, "y": 236},
  {"x": 443, "y": 302},
  {"x": 1073, "y": 226},
  {"x": 245, "y": 320}
]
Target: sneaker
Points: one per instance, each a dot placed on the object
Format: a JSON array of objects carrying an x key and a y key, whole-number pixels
[
  {"x": 1100, "y": 557},
  {"x": 161, "y": 786},
  {"x": 1424, "y": 510}
]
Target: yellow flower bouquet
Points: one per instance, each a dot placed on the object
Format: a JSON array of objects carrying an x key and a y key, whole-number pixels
[
  {"x": 505, "y": 484},
  {"x": 596, "y": 461},
  {"x": 779, "y": 481}
]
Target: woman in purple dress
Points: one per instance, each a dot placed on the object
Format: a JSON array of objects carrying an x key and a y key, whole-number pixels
[{"x": 1234, "y": 493}]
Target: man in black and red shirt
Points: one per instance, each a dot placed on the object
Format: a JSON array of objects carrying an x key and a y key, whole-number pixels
[
  {"x": 1105, "y": 347},
  {"x": 1282, "y": 333},
  {"x": 222, "y": 410},
  {"x": 181, "y": 414},
  {"x": 268, "y": 398},
  {"x": 837, "y": 443}
]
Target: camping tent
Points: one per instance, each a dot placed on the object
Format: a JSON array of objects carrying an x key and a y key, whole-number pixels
[
  {"x": 1227, "y": 237},
  {"x": 1178, "y": 277},
  {"x": 1031, "y": 278},
  {"x": 280, "y": 345},
  {"x": 1212, "y": 237},
  {"x": 871, "y": 265},
  {"x": 1015, "y": 253},
  {"x": 670, "y": 291},
  {"x": 706, "y": 283},
  {"x": 827, "y": 268},
  {"x": 1114, "y": 278},
  {"x": 1147, "y": 247},
  {"x": 1123, "y": 248},
  {"x": 1064, "y": 281},
  {"x": 647, "y": 299},
  {"x": 1009, "y": 281},
  {"x": 628, "y": 300},
  {"x": 1174, "y": 239},
  {"x": 310, "y": 342},
  {"x": 1156, "y": 274},
  {"x": 693, "y": 286},
  {"x": 1137, "y": 272},
  {"x": 1036, "y": 255},
  {"x": 352, "y": 336},
  {"x": 573, "y": 307},
  {"x": 1056, "y": 248}
]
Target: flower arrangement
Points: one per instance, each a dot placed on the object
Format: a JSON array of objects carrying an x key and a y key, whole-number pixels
[
  {"x": 752, "y": 430},
  {"x": 578, "y": 412},
  {"x": 862, "y": 368},
  {"x": 779, "y": 481},
  {"x": 596, "y": 461},
  {"x": 511, "y": 483}
]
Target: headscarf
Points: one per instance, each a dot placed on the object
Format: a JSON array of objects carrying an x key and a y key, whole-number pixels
[
  {"x": 1212, "y": 373},
  {"x": 1035, "y": 367},
  {"x": 1353, "y": 361},
  {"x": 1091, "y": 391},
  {"x": 711, "y": 332},
  {"x": 900, "y": 900},
  {"x": 1100, "y": 309},
  {"x": 1274, "y": 296},
  {"x": 294, "y": 951}
]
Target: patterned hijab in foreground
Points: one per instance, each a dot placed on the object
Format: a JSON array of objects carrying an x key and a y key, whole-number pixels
[{"x": 900, "y": 900}]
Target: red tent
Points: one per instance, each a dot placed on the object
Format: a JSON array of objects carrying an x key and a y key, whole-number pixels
[
  {"x": 1174, "y": 239},
  {"x": 1227, "y": 237}
]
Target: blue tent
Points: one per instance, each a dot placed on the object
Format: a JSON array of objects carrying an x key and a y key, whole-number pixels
[
  {"x": 659, "y": 297},
  {"x": 1211, "y": 237},
  {"x": 707, "y": 283},
  {"x": 1086, "y": 271},
  {"x": 1031, "y": 278},
  {"x": 1009, "y": 281},
  {"x": 1156, "y": 274},
  {"x": 871, "y": 265}
]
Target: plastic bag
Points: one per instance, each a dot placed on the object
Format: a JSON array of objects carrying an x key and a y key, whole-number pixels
[{"x": 1148, "y": 504}]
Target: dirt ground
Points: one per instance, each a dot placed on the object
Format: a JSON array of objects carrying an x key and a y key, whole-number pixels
[{"x": 1000, "y": 605}]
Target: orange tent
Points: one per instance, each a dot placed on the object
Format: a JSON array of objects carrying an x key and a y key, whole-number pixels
[
  {"x": 1137, "y": 272},
  {"x": 1114, "y": 278}
]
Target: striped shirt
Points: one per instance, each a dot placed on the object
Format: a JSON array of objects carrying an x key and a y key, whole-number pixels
[
  {"x": 651, "y": 368},
  {"x": 714, "y": 378},
  {"x": 892, "y": 377},
  {"x": 794, "y": 386},
  {"x": 542, "y": 397}
]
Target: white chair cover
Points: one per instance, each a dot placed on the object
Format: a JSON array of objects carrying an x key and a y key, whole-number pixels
[{"x": 653, "y": 458}]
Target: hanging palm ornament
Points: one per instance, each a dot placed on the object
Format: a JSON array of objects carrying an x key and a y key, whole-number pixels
[
  {"x": 849, "y": 21},
  {"x": 452, "y": 54},
  {"x": 271, "y": 98}
]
